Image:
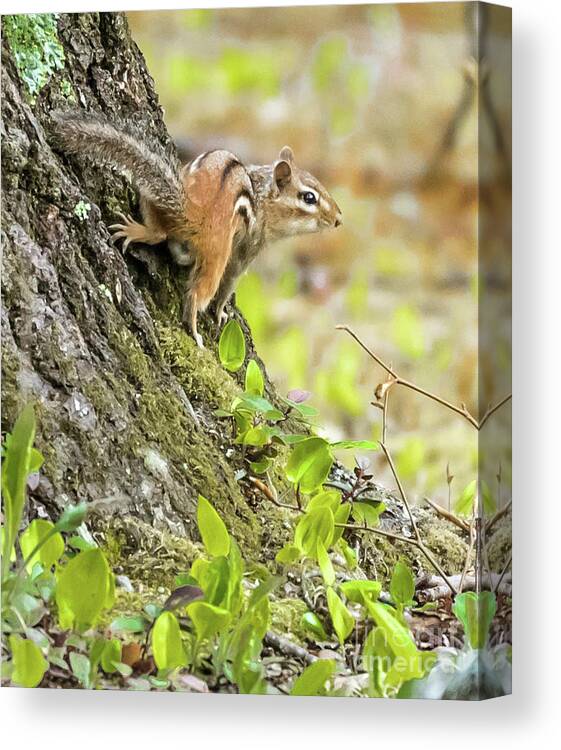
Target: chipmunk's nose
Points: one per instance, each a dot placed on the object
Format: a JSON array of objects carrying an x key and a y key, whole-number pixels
[{"x": 338, "y": 220}]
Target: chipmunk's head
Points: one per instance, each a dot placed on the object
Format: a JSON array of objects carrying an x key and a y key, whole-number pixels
[{"x": 298, "y": 203}]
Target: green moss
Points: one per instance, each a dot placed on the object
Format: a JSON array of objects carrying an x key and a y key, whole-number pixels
[
  {"x": 137, "y": 364},
  {"x": 36, "y": 48},
  {"x": 286, "y": 618},
  {"x": 198, "y": 370},
  {"x": 442, "y": 540},
  {"x": 12, "y": 398},
  {"x": 499, "y": 547}
]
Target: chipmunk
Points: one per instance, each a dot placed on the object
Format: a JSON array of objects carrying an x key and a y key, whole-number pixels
[{"x": 216, "y": 214}]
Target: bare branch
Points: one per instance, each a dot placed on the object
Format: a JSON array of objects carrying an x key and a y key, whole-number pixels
[
  {"x": 461, "y": 409},
  {"x": 448, "y": 515}
]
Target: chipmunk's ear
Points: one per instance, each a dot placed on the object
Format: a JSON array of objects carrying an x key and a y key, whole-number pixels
[
  {"x": 282, "y": 175},
  {"x": 286, "y": 154}
]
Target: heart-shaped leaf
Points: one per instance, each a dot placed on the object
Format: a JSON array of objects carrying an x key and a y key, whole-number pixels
[{"x": 309, "y": 464}]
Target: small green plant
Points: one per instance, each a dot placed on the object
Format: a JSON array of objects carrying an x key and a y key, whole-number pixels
[
  {"x": 67, "y": 91},
  {"x": 82, "y": 210}
]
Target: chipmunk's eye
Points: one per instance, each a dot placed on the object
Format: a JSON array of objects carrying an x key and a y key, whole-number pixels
[{"x": 309, "y": 198}]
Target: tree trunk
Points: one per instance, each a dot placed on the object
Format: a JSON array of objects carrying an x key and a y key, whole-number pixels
[{"x": 125, "y": 400}]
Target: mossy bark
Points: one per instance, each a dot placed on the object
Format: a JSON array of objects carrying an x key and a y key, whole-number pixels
[{"x": 125, "y": 400}]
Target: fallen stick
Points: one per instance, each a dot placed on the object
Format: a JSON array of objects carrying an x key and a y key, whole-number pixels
[
  {"x": 434, "y": 587},
  {"x": 286, "y": 647}
]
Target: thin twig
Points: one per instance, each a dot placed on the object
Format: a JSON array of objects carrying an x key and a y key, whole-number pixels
[
  {"x": 500, "y": 514},
  {"x": 401, "y": 490},
  {"x": 448, "y": 515},
  {"x": 505, "y": 569},
  {"x": 262, "y": 487},
  {"x": 379, "y": 532},
  {"x": 493, "y": 409}
]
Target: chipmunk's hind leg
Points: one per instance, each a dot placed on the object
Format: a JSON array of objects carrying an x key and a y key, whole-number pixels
[{"x": 190, "y": 310}]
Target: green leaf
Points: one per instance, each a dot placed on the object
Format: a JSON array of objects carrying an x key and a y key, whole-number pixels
[
  {"x": 343, "y": 621},
  {"x": 361, "y": 591},
  {"x": 254, "y": 383},
  {"x": 359, "y": 445},
  {"x": 261, "y": 466},
  {"x": 50, "y": 550},
  {"x": 311, "y": 622},
  {"x": 313, "y": 678},
  {"x": 29, "y": 664},
  {"x": 325, "y": 565},
  {"x": 72, "y": 517},
  {"x": 256, "y": 436},
  {"x": 368, "y": 513},
  {"x": 464, "y": 504},
  {"x": 325, "y": 499},
  {"x": 475, "y": 612},
  {"x": 305, "y": 411},
  {"x": 348, "y": 553},
  {"x": 234, "y": 598},
  {"x": 207, "y": 619},
  {"x": 85, "y": 587},
  {"x": 289, "y": 439},
  {"x": 231, "y": 347},
  {"x": 15, "y": 470},
  {"x": 132, "y": 624},
  {"x": 167, "y": 646},
  {"x": 316, "y": 526},
  {"x": 111, "y": 655},
  {"x": 35, "y": 461},
  {"x": 253, "y": 403},
  {"x": 212, "y": 529},
  {"x": 288, "y": 554},
  {"x": 309, "y": 464},
  {"x": 341, "y": 515},
  {"x": 408, "y": 663},
  {"x": 81, "y": 668},
  {"x": 402, "y": 585}
]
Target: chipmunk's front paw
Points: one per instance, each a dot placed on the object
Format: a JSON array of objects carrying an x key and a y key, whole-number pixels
[
  {"x": 199, "y": 340},
  {"x": 130, "y": 229}
]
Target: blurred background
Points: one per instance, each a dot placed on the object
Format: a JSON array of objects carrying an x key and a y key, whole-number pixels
[{"x": 380, "y": 103}]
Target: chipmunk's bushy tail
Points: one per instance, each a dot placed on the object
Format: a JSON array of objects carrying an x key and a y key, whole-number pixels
[{"x": 155, "y": 174}]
